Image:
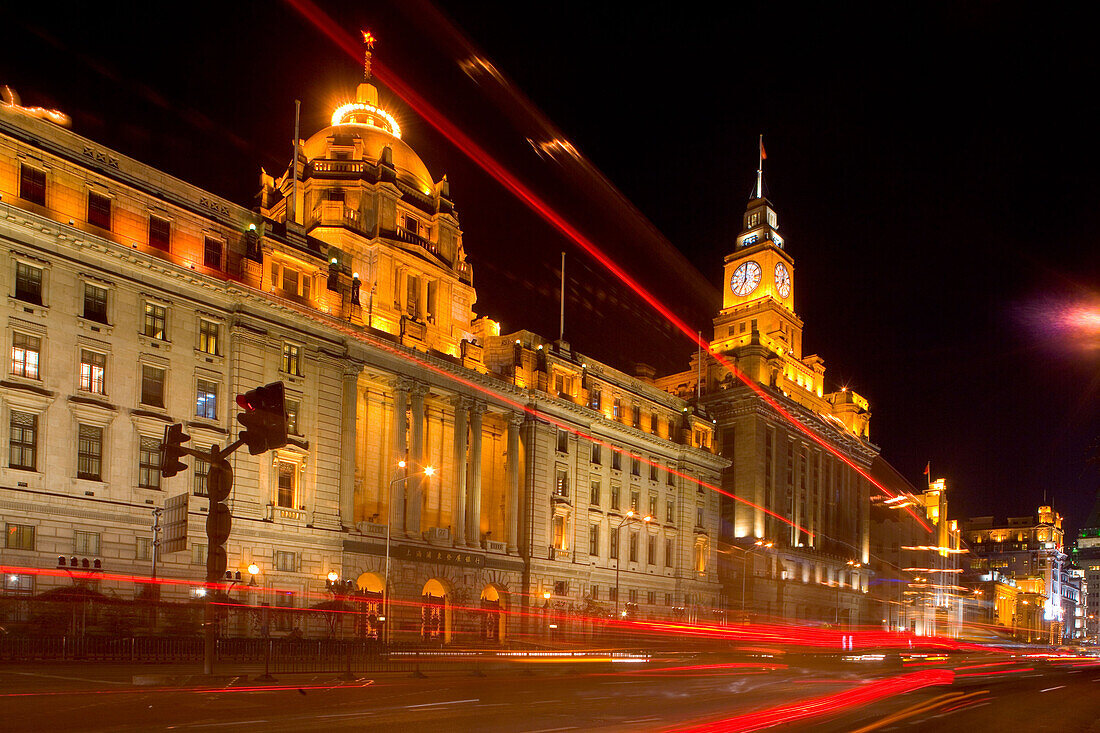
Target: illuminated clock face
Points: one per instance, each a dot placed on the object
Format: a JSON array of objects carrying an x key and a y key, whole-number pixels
[
  {"x": 782, "y": 280},
  {"x": 745, "y": 278}
]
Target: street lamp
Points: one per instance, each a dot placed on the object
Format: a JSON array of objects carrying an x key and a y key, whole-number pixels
[
  {"x": 630, "y": 515},
  {"x": 425, "y": 470},
  {"x": 745, "y": 566}
]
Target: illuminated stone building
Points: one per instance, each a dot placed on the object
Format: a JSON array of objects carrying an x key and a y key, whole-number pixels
[
  {"x": 819, "y": 570},
  {"x": 1086, "y": 555},
  {"x": 136, "y": 300},
  {"x": 1030, "y": 551}
]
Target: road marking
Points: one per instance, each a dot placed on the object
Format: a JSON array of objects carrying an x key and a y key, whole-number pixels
[
  {"x": 643, "y": 720},
  {"x": 1052, "y": 688},
  {"x": 445, "y": 702},
  {"x": 75, "y": 679}
]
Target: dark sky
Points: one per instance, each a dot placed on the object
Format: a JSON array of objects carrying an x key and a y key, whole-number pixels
[{"x": 933, "y": 169}]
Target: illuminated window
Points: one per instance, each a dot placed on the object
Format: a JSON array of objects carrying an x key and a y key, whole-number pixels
[
  {"x": 23, "y": 441},
  {"x": 652, "y": 506},
  {"x": 28, "y": 283},
  {"x": 160, "y": 232},
  {"x": 99, "y": 210},
  {"x": 152, "y": 386},
  {"x": 156, "y": 317},
  {"x": 206, "y": 399},
  {"x": 212, "y": 253},
  {"x": 32, "y": 184},
  {"x": 634, "y": 500},
  {"x": 561, "y": 484},
  {"x": 209, "y": 336},
  {"x": 700, "y": 557},
  {"x": 19, "y": 537},
  {"x": 26, "y": 352},
  {"x": 670, "y": 511},
  {"x": 594, "y": 539},
  {"x": 292, "y": 359},
  {"x": 86, "y": 543},
  {"x": 288, "y": 484},
  {"x": 293, "y": 407},
  {"x": 149, "y": 463},
  {"x": 20, "y": 584},
  {"x": 594, "y": 399},
  {"x": 616, "y": 408},
  {"x": 89, "y": 452},
  {"x": 557, "y": 529},
  {"x": 95, "y": 303}
]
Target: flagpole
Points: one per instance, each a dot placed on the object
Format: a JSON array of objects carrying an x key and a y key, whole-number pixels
[{"x": 561, "y": 320}]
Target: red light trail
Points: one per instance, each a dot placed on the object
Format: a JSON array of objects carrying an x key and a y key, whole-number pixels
[{"x": 505, "y": 178}]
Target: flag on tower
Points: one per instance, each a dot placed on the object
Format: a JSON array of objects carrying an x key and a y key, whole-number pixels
[
  {"x": 763, "y": 155},
  {"x": 928, "y": 469}
]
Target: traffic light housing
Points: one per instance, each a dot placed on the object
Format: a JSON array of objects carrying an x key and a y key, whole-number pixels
[
  {"x": 171, "y": 450},
  {"x": 264, "y": 418}
]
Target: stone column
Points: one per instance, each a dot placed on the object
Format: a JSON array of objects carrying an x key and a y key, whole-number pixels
[
  {"x": 415, "y": 491},
  {"x": 458, "y": 520},
  {"x": 473, "y": 481},
  {"x": 395, "y": 497},
  {"x": 348, "y": 422},
  {"x": 514, "y": 421}
]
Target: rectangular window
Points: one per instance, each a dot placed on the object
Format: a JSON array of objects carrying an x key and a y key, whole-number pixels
[
  {"x": 412, "y": 296},
  {"x": 152, "y": 386},
  {"x": 89, "y": 452},
  {"x": 613, "y": 593},
  {"x": 597, "y": 453},
  {"x": 594, "y": 494},
  {"x": 616, "y": 459},
  {"x": 156, "y": 317},
  {"x": 651, "y": 597},
  {"x": 616, "y": 408},
  {"x": 651, "y": 551},
  {"x": 93, "y": 369},
  {"x": 594, "y": 399},
  {"x": 652, "y": 506},
  {"x": 653, "y": 423},
  {"x": 149, "y": 463},
  {"x": 563, "y": 441},
  {"x": 19, "y": 537},
  {"x": 288, "y": 484},
  {"x": 613, "y": 549},
  {"x": 284, "y": 619},
  {"x": 23, "y": 442},
  {"x": 635, "y": 466},
  {"x": 700, "y": 558},
  {"x": 206, "y": 399},
  {"x": 635, "y": 501},
  {"x": 160, "y": 232},
  {"x": 292, "y": 359},
  {"x": 653, "y": 470},
  {"x": 633, "y": 547},
  {"x": 99, "y": 210},
  {"x": 632, "y": 594},
  {"x": 671, "y": 429},
  {"x": 286, "y": 561},
  {"x": 293, "y": 407},
  {"x": 32, "y": 185},
  {"x": 290, "y": 281},
  {"x": 202, "y": 473},
  {"x": 594, "y": 539},
  {"x": 209, "y": 336},
  {"x": 670, "y": 511},
  {"x": 198, "y": 554},
  {"x": 636, "y": 417},
  {"x": 22, "y": 584},
  {"x": 561, "y": 484},
  {"x": 699, "y": 516},
  {"x": 212, "y": 253},
  {"x": 26, "y": 353},
  {"x": 433, "y": 289},
  {"x": 28, "y": 283},
  {"x": 595, "y": 593},
  {"x": 669, "y": 552},
  {"x": 557, "y": 530},
  {"x": 143, "y": 548},
  {"x": 670, "y": 478},
  {"x": 615, "y": 492},
  {"x": 668, "y": 599},
  {"x": 85, "y": 543},
  {"x": 95, "y": 303}
]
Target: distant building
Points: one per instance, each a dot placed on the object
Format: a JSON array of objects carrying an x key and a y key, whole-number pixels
[
  {"x": 1030, "y": 551},
  {"x": 1086, "y": 556}
]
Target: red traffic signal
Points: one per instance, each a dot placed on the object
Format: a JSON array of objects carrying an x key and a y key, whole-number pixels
[
  {"x": 171, "y": 450},
  {"x": 264, "y": 418}
]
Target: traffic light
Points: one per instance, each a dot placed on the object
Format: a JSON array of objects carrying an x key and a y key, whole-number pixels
[
  {"x": 171, "y": 450},
  {"x": 264, "y": 418}
]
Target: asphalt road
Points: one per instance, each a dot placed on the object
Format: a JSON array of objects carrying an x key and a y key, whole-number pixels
[{"x": 630, "y": 701}]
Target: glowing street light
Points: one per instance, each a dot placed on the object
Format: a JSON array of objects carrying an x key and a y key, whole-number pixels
[{"x": 333, "y": 576}]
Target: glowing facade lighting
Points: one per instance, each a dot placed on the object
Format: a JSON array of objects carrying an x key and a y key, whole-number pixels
[
  {"x": 333, "y": 576},
  {"x": 362, "y": 113},
  {"x": 254, "y": 569}
]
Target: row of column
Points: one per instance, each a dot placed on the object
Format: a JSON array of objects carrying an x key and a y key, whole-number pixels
[{"x": 406, "y": 493}]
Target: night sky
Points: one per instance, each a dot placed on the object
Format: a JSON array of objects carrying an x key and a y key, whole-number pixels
[{"x": 934, "y": 171}]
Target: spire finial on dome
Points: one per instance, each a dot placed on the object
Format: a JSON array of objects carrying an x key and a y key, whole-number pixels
[{"x": 368, "y": 47}]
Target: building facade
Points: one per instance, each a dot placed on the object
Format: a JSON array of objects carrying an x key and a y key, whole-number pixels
[{"x": 136, "y": 300}]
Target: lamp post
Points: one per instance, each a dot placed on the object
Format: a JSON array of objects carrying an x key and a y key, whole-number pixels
[
  {"x": 630, "y": 515},
  {"x": 425, "y": 470},
  {"x": 745, "y": 567}
]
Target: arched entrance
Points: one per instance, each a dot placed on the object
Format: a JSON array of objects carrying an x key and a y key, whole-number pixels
[
  {"x": 371, "y": 610},
  {"x": 435, "y": 612},
  {"x": 494, "y": 621}
]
